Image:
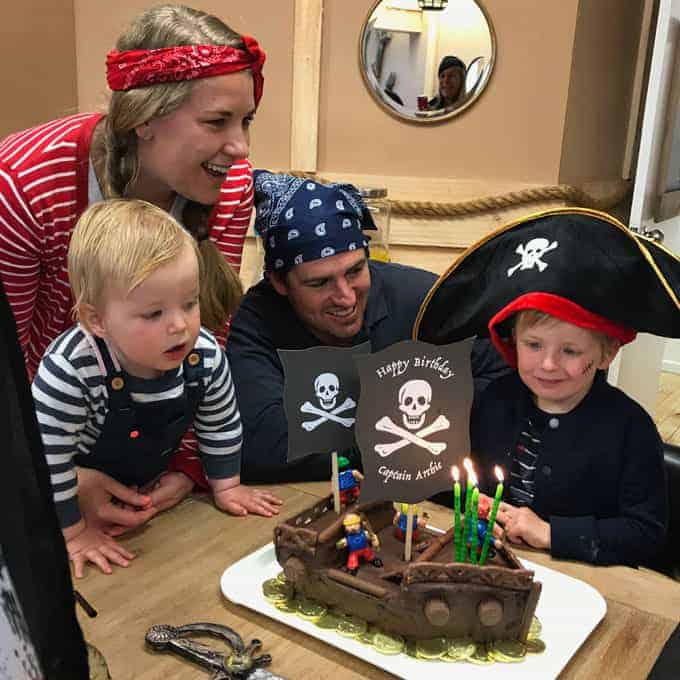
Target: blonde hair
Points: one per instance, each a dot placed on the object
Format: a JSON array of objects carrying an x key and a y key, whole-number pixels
[
  {"x": 118, "y": 244},
  {"x": 529, "y": 318},
  {"x": 157, "y": 27}
]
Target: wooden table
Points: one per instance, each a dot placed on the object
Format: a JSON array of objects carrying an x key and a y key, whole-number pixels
[{"x": 181, "y": 556}]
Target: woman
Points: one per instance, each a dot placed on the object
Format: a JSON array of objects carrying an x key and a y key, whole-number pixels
[{"x": 185, "y": 90}]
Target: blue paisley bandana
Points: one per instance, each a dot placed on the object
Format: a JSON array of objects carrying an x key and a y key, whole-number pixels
[{"x": 300, "y": 220}]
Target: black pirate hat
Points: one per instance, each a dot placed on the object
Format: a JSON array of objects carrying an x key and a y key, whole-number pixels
[{"x": 580, "y": 265}]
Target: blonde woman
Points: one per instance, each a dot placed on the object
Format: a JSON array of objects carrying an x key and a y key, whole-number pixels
[
  {"x": 185, "y": 90},
  {"x": 118, "y": 391}
]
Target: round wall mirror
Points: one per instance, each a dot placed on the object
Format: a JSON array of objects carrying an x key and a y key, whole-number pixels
[{"x": 426, "y": 60}]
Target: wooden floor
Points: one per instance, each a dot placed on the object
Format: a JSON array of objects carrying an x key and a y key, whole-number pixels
[{"x": 668, "y": 408}]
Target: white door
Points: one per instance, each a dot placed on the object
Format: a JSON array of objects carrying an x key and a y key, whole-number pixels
[{"x": 637, "y": 370}]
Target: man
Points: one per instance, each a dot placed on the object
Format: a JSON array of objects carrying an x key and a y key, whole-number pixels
[{"x": 319, "y": 289}]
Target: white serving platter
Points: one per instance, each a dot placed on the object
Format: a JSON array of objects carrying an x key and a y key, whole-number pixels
[{"x": 568, "y": 610}]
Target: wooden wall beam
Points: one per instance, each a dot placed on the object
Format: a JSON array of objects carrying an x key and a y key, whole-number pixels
[{"x": 306, "y": 77}]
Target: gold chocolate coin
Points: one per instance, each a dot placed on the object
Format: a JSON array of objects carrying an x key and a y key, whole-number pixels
[
  {"x": 411, "y": 649},
  {"x": 508, "y": 650},
  {"x": 481, "y": 656},
  {"x": 434, "y": 648},
  {"x": 388, "y": 644},
  {"x": 310, "y": 609},
  {"x": 535, "y": 628},
  {"x": 275, "y": 591},
  {"x": 287, "y": 606},
  {"x": 460, "y": 649},
  {"x": 535, "y": 646},
  {"x": 367, "y": 636},
  {"x": 329, "y": 621},
  {"x": 351, "y": 626}
]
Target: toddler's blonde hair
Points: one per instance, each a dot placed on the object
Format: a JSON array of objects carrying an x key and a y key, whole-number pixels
[
  {"x": 529, "y": 318},
  {"x": 117, "y": 244}
]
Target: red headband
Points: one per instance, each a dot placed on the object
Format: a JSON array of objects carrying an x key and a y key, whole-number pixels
[
  {"x": 561, "y": 308},
  {"x": 139, "y": 68}
]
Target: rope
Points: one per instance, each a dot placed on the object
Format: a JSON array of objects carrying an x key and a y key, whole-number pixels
[{"x": 557, "y": 192}]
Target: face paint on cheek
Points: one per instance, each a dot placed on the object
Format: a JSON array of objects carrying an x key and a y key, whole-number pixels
[{"x": 588, "y": 367}]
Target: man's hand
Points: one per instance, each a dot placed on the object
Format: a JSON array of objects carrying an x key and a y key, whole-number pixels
[
  {"x": 523, "y": 525},
  {"x": 110, "y": 506},
  {"x": 236, "y": 499},
  {"x": 88, "y": 544},
  {"x": 168, "y": 490}
]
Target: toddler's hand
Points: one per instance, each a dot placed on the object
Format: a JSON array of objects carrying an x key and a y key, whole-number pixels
[
  {"x": 93, "y": 545},
  {"x": 240, "y": 500}
]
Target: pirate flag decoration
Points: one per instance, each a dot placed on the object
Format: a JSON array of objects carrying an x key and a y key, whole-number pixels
[
  {"x": 320, "y": 397},
  {"x": 582, "y": 266},
  {"x": 413, "y": 419}
]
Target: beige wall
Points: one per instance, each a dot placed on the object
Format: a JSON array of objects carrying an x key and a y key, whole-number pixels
[
  {"x": 605, "y": 47},
  {"x": 99, "y": 22},
  {"x": 513, "y": 132},
  {"x": 37, "y": 63}
]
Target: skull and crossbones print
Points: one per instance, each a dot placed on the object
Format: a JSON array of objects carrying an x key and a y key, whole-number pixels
[
  {"x": 415, "y": 400},
  {"x": 531, "y": 254},
  {"x": 326, "y": 390}
]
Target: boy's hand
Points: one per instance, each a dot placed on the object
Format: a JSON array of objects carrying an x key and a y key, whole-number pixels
[
  {"x": 236, "y": 499},
  {"x": 523, "y": 525},
  {"x": 88, "y": 544},
  {"x": 96, "y": 495}
]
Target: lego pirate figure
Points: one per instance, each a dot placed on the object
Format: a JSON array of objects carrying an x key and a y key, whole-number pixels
[
  {"x": 482, "y": 523},
  {"x": 401, "y": 518},
  {"x": 348, "y": 481},
  {"x": 356, "y": 541}
]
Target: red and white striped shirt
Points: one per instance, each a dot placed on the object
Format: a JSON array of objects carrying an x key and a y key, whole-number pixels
[{"x": 43, "y": 191}]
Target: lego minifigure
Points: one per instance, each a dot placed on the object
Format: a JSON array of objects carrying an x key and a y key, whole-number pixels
[
  {"x": 400, "y": 518},
  {"x": 357, "y": 540},
  {"x": 348, "y": 481}
]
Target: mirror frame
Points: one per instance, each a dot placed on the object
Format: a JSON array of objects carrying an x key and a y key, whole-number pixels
[{"x": 424, "y": 118}]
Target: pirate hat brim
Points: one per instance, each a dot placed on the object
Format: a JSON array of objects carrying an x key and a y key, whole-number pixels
[{"x": 582, "y": 255}]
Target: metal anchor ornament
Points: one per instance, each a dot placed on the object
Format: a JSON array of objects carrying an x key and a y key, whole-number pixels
[{"x": 239, "y": 664}]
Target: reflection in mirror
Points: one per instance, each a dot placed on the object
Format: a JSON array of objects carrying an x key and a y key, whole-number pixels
[{"x": 426, "y": 64}]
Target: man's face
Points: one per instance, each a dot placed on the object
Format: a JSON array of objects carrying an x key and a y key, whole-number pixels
[{"x": 329, "y": 295}]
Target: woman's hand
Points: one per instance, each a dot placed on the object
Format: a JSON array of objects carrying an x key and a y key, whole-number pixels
[
  {"x": 110, "y": 506},
  {"x": 523, "y": 525},
  {"x": 169, "y": 489},
  {"x": 236, "y": 499},
  {"x": 88, "y": 544}
]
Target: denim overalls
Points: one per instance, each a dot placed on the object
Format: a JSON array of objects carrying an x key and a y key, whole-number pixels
[{"x": 138, "y": 439}]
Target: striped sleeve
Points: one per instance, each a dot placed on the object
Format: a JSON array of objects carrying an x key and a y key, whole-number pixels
[
  {"x": 232, "y": 214},
  {"x": 218, "y": 423},
  {"x": 61, "y": 409},
  {"x": 20, "y": 252}
]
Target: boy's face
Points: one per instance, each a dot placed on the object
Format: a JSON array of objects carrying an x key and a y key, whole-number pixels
[
  {"x": 557, "y": 361},
  {"x": 154, "y": 327},
  {"x": 329, "y": 295}
]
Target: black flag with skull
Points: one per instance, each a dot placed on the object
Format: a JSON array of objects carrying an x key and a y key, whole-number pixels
[
  {"x": 413, "y": 419},
  {"x": 320, "y": 396}
]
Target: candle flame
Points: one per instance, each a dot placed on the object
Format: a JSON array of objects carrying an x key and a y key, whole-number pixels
[
  {"x": 454, "y": 472},
  {"x": 499, "y": 473},
  {"x": 467, "y": 464},
  {"x": 473, "y": 477}
]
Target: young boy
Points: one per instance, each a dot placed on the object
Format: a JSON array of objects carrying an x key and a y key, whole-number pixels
[
  {"x": 583, "y": 461},
  {"x": 119, "y": 390}
]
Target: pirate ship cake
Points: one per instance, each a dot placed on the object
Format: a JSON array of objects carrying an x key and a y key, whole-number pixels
[{"x": 350, "y": 556}]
